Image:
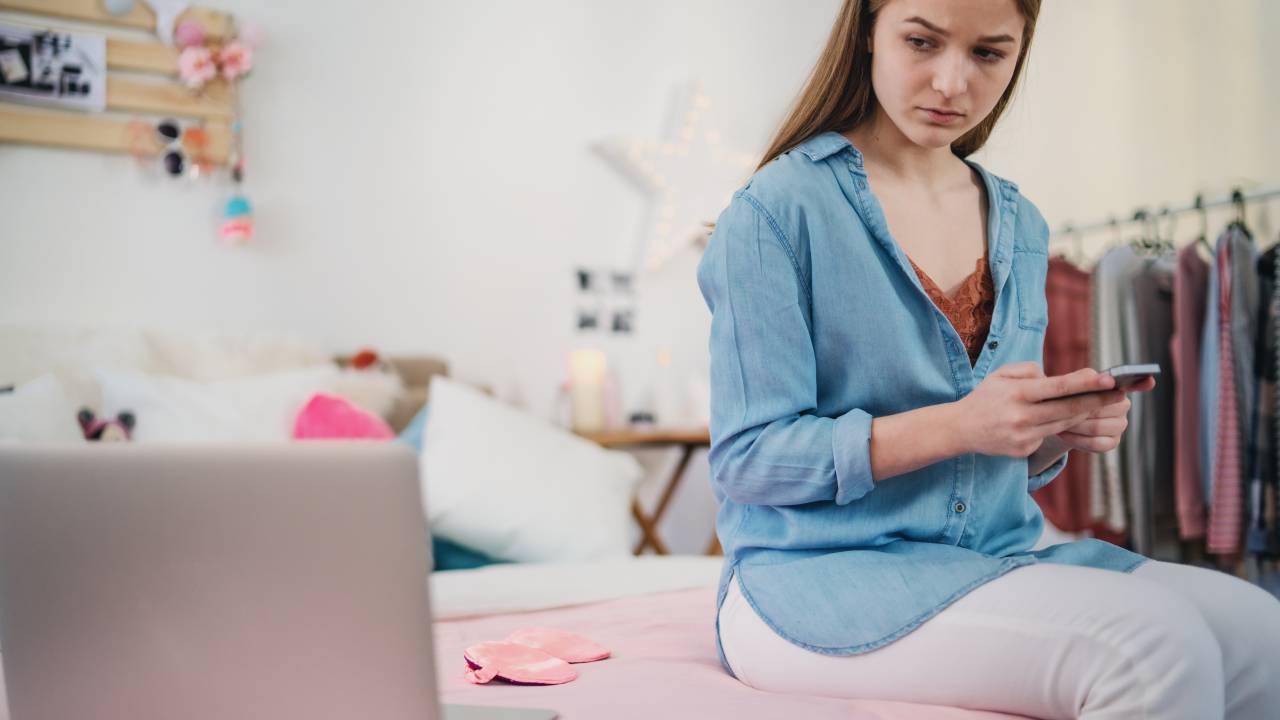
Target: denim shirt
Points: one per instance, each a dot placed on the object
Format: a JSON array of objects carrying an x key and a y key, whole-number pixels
[{"x": 818, "y": 325}]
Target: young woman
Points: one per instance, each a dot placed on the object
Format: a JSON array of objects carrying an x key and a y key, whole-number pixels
[{"x": 880, "y": 417}]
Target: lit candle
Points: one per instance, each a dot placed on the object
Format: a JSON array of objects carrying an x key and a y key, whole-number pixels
[{"x": 586, "y": 389}]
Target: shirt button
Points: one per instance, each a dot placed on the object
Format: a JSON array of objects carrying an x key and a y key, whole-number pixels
[
  {"x": 959, "y": 507},
  {"x": 993, "y": 344}
]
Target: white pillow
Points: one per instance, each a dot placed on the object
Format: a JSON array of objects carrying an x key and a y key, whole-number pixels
[
  {"x": 516, "y": 487},
  {"x": 39, "y": 411},
  {"x": 255, "y": 408}
]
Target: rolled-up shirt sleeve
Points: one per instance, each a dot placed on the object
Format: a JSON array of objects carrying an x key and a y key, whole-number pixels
[
  {"x": 1044, "y": 477},
  {"x": 768, "y": 445}
]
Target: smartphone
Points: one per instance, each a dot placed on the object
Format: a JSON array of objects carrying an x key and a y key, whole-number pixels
[{"x": 1126, "y": 376}]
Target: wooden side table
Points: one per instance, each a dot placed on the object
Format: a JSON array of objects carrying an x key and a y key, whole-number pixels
[{"x": 688, "y": 441}]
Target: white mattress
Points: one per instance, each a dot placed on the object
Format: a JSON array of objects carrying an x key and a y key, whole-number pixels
[{"x": 536, "y": 586}]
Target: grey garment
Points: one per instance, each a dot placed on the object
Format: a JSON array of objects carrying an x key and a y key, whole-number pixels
[
  {"x": 1111, "y": 278},
  {"x": 1148, "y": 446},
  {"x": 1133, "y": 485},
  {"x": 1244, "y": 327},
  {"x": 1245, "y": 292}
]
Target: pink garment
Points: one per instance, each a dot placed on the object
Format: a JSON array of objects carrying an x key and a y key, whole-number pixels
[
  {"x": 531, "y": 656},
  {"x": 1226, "y": 513},
  {"x": 329, "y": 417},
  {"x": 560, "y": 643},
  {"x": 514, "y": 663},
  {"x": 1190, "y": 284},
  {"x": 664, "y": 664}
]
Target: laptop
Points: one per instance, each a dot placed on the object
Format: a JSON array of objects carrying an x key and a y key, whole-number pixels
[{"x": 218, "y": 580}]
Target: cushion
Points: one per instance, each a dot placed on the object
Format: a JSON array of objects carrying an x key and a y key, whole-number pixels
[
  {"x": 412, "y": 433},
  {"x": 256, "y": 408},
  {"x": 445, "y": 554},
  {"x": 516, "y": 487},
  {"x": 39, "y": 411},
  {"x": 449, "y": 555},
  {"x": 329, "y": 417}
]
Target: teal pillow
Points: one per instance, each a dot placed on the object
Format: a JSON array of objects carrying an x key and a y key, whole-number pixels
[
  {"x": 450, "y": 555},
  {"x": 447, "y": 555}
]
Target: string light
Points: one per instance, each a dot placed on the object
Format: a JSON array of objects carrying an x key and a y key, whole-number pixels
[{"x": 687, "y": 175}]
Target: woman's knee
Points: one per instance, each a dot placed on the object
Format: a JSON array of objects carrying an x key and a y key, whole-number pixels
[{"x": 1171, "y": 648}]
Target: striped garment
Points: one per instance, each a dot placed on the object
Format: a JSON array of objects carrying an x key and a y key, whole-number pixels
[{"x": 1226, "y": 513}]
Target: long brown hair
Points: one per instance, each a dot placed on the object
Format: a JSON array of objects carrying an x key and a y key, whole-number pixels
[{"x": 838, "y": 94}]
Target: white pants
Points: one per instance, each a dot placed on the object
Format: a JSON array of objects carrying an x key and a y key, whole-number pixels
[{"x": 1053, "y": 641}]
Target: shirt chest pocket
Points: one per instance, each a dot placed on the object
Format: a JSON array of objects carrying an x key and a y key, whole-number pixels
[{"x": 1029, "y": 270}]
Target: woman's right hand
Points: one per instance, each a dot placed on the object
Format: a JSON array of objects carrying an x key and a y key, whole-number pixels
[{"x": 1012, "y": 410}]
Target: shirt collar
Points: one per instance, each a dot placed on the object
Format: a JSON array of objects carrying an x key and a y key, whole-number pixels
[{"x": 824, "y": 145}]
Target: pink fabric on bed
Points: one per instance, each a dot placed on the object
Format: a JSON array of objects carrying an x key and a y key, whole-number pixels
[{"x": 664, "y": 665}]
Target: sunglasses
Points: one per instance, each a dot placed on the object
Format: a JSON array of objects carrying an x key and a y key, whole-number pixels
[{"x": 182, "y": 150}]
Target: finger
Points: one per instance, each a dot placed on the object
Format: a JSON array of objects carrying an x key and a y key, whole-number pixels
[
  {"x": 1082, "y": 380},
  {"x": 1027, "y": 369},
  {"x": 1147, "y": 384},
  {"x": 1059, "y": 426},
  {"x": 1099, "y": 426},
  {"x": 1091, "y": 443},
  {"x": 1115, "y": 409},
  {"x": 1048, "y": 411}
]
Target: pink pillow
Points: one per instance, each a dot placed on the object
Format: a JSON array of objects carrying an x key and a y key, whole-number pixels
[{"x": 328, "y": 416}]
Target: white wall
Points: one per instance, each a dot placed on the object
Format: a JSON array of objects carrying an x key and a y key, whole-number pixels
[{"x": 423, "y": 182}]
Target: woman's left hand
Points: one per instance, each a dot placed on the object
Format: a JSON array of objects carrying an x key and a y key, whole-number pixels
[{"x": 1102, "y": 429}]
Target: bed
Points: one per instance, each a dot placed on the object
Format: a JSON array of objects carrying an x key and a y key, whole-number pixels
[{"x": 655, "y": 614}]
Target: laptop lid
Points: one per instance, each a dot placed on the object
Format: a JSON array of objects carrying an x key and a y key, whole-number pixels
[{"x": 214, "y": 581}]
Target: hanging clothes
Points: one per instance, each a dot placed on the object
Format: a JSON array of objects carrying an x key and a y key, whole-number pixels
[
  {"x": 1149, "y": 454},
  {"x": 1261, "y": 536},
  {"x": 1134, "y": 311},
  {"x": 1190, "y": 284},
  {"x": 1237, "y": 302},
  {"x": 1068, "y": 289},
  {"x": 1107, "y": 503}
]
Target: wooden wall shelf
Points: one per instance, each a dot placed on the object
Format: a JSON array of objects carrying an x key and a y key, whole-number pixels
[{"x": 142, "y": 78}]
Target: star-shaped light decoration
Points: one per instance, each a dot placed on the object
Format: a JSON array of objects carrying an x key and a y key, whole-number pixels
[{"x": 688, "y": 177}]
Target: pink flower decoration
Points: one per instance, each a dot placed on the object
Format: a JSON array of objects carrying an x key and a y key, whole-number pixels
[
  {"x": 236, "y": 60},
  {"x": 189, "y": 34},
  {"x": 196, "y": 66}
]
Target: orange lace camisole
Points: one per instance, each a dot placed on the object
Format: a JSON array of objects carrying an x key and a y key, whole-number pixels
[{"x": 969, "y": 309}]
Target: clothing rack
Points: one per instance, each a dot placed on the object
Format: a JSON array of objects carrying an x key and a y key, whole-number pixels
[{"x": 1141, "y": 215}]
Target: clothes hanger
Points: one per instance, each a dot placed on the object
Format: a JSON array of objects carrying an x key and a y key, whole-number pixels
[
  {"x": 1203, "y": 240},
  {"x": 1237, "y": 199},
  {"x": 1144, "y": 242},
  {"x": 1169, "y": 239}
]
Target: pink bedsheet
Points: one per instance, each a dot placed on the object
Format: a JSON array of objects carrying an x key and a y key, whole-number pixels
[{"x": 664, "y": 665}]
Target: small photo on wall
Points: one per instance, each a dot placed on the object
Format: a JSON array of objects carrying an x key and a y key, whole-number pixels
[
  {"x": 44, "y": 67},
  {"x": 588, "y": 319},
  {"x": 622, "y": 320},
  {"x": 605, "y": 299}
]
